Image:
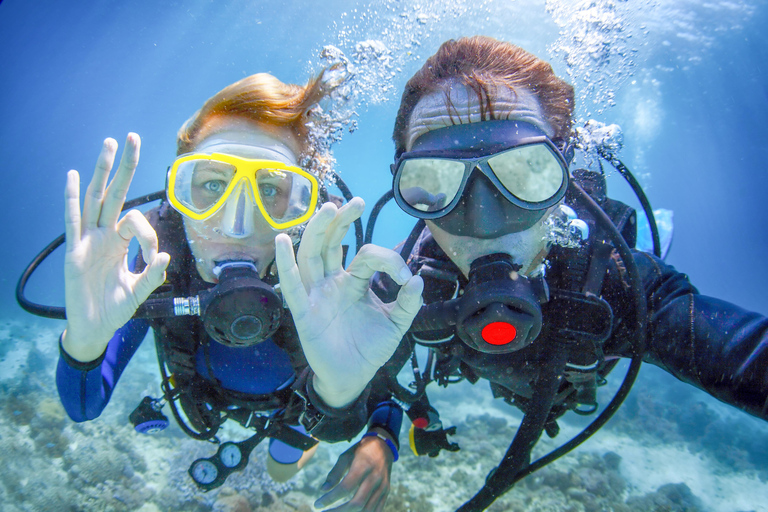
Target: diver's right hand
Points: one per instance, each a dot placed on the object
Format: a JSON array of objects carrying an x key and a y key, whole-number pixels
[{"x": 101, "y": 293}]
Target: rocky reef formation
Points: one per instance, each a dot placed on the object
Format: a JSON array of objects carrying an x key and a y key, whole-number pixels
[{"x": 53, "y": 464}]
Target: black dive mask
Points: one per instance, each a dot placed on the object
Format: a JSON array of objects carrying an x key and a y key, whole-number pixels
[
  {"x": 482, "y": 212},
  {"x": 484, "y": 179},
  {"x": 240, "y": 311},
  {"x": 499, "y": 312}
]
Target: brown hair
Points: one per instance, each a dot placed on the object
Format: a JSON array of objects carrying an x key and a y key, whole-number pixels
[
  {"x": 482, "y": 63},
  {"x": 261, "y": 98}
]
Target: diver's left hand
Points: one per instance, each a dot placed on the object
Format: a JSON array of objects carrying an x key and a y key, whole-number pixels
[
  {"x": 346, "y": 332},
  {"x": 366, "y": 468}
]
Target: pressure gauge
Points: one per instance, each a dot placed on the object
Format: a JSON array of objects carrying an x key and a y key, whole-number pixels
[
  {"x": 203, "y": 471},
  {"x": 230, "y": 455}
]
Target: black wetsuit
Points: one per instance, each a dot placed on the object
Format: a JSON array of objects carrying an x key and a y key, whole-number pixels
[{"x": 709, "y": 343}]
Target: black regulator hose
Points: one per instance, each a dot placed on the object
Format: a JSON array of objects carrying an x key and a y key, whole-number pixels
[
  {"x": 518, "y": 454},
  {"x": 58, "y": 312},
  {"x": 383, "y": 200},
  {"x": 633, "y": 274},
  {"x": 638, "y": 190},
  {"x": 170, "y": 397},
  {"x": 358, "y": 223}
]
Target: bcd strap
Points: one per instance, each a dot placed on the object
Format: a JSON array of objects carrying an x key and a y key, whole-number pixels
[{"x": 291, "y": 437}]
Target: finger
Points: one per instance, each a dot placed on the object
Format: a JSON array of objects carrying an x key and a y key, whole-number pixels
[
  {"x": 135, "y": 224},
  {"x": 94, "y": 194},
  {"x": 310, "y": 255},
  {"x": 72, "y": 210},
  {"x": 377, "y": 498},
  {"x": 366, "y": 496},
  {"x": 114, "y": 197},
  {"x": 152, "y": 276},
  {"x": 334, "y": 477},
  {"x": 408, "y": 304},
  {"x": 372, "y": 259},
  {"x": 339, "y": 469},
  {"x": 337, "y": 230},
  {"x": 382, "y": 501},
  {"x": 290, "y": 279},
  {"x": 332, "y": 497}
]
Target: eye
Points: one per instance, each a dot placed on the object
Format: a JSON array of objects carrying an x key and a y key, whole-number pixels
[
  {"x": 267, "y": 190},
  {"x": 215, "y": 186}
]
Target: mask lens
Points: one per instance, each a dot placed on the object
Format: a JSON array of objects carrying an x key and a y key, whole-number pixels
[
  {"x": 532, "y": 173},
  {"x": 286, "y": 196},
  {"x": 430, "y": 184},
  {"x": 199, "y": 184}
]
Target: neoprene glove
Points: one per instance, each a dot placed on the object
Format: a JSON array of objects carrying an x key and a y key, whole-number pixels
[{"x": 424, "y": 442}]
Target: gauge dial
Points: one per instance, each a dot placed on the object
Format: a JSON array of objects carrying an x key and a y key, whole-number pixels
[
  {"x": 230, "y": 455},
  {"x": 204, "y": 471}
]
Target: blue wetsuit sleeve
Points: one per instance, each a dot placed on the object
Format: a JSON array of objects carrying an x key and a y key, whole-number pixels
[
  {"x": 709, "y": 343},
  {"x": 85, "y": 388},
  {"x": 388, "y": 416}
]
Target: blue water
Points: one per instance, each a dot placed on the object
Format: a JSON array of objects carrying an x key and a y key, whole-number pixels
[{"x": 686, "y": 81}]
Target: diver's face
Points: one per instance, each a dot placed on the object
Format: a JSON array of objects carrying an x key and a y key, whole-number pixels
[
  {"x": 239, "y": 231},
  {"x": 483, "y": 214}
]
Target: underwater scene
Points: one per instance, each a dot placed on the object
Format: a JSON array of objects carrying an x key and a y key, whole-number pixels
[{"x": 677, "y": 89}]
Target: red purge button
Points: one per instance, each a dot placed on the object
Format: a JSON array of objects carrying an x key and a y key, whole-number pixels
[
  {"x": 420, "y": 422},
  {"x": 499, "y": 333}
]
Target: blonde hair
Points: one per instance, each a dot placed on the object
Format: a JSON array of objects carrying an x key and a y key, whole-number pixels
[
  {"x": 261, "y": 98},
  {"x": 482, "y": 64}
]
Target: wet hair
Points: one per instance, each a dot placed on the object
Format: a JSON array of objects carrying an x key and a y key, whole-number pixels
[
  {"x": 261, "y": 98},
  {"x": 483, "y": 64}
]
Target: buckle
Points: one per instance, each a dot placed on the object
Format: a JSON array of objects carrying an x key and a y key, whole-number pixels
[
  {"x": 579, "y": 317},
  {"x": 310, "y": 417}
]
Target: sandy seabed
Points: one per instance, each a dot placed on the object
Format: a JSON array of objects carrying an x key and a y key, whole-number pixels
[{"x": 670, "y": 448}]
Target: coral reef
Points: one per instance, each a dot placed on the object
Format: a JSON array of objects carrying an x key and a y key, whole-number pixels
[
  {"x": 53, "y": 464},
  {"x": 669, "y": 498}
]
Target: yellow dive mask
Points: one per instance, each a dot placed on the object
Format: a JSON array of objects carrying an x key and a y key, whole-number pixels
[{"x": 199, "y": 185}]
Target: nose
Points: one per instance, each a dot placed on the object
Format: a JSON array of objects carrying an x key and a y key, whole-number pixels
[
  {"x": 483, "y": 206},
  {"x": 483, "y": 212},
  {"x": 239, "y": 211}
]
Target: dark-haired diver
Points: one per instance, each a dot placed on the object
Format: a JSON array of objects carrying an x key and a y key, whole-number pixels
[{"x": 531, "y": 279}]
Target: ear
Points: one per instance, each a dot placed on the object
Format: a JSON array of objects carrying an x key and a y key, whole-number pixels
[{"x": 567, "y": 148}]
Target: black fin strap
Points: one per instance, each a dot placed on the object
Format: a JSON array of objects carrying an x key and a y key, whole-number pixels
[
  {"x": 291, "y": 437},
  {"x": 518, "y": 456}
]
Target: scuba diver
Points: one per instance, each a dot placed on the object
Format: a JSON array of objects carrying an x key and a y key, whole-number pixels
[
  {"x": 531, "y": 279},
  {"x": 244, "y": 185}
]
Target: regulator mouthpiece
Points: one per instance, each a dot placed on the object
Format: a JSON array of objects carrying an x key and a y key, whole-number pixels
[{"x": 241, "y": 310}]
